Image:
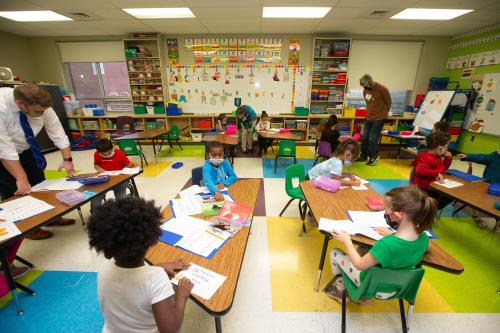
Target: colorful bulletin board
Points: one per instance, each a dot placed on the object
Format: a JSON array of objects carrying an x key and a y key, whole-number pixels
[{"x": 211, "y": 89}]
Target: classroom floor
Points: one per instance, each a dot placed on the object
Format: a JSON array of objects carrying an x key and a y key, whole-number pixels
[{"x": 275, "y": 290}]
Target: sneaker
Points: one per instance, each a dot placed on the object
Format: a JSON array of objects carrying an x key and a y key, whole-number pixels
[
  {"x": 40, "y": 234},
  {"x": 372, "y": 161},
  {"x": 335, "y": 288},
  {"x": 479, "y": 222}
]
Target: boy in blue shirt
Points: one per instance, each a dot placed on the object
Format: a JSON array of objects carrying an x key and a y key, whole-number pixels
[
  {"x": 217, "y": 172},
  {"x": 247, "y": 119}
]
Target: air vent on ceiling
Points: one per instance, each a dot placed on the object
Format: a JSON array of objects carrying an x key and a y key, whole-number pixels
[
  {"x": 379, "y": 13},
  {"x": 81, "y": 16}
]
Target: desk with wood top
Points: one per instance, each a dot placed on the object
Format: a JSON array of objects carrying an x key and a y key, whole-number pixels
[
  {"x": 335, "y": 205},
  {"x": 279, "y": 136},
  {"x": 35, "y": 222},
  {"x": 473, "y": 194},
  {"x": 227, "y": 261},
  {"x": 151, "y": 134},
  {"x": 402, "y": 139}
]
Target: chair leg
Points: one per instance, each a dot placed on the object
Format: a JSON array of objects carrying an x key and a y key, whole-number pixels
[
  {"x": 344, "y": 305},
  {"x": 294, "y": 160},
  {"x": 161, "y": 144},
  {"x": 275, "y": 164},
  {"x": 179, "y": 144},
  {"x": 315, "y": 160},
  {"x": 457, "y": 210},
  {"x": 286, "y": 206},
  {"x": 145, "y": 161},
  {"x": 79, "y": 209},
  {"x": 25, "y": 262},
  {"x": 27, "y": 290},
  {"x": 408, "y": 316},
  {"x": 402, "y": 312}
]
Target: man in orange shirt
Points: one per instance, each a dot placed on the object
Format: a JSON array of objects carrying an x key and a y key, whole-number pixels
[{"x": 378, "y": 102}]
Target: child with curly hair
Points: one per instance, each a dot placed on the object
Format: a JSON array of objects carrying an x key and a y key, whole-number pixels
[{"x": 135, "y": 297}]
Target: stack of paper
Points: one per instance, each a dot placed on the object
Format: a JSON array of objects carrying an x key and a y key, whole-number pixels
[
  {"x": 7, "y": 230},
  {"x": 61, "y": 184},
  {"x": 187, "y": 205},
  {"x": 349, "y": 227},
  {"x": 184, "y": 225},
  {"x": 448, "y": 183},
  {"x": 23, "y": 208},
  {"x": 206, "y": 282},
  {"x": 370, "y": 219},
  {"x": 124, "y": 171}
]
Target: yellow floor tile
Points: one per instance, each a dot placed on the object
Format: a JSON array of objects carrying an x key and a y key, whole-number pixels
[{"x": 154, "y": 169}]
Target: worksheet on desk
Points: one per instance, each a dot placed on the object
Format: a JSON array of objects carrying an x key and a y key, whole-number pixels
[
  {"x": 23, "y": 208},
  {"x": 60, "y": 184},
  {"x": 448, "y": 183},
  {"x": 370, "y": 219},
  {"x": 206, "y": 282},
  {"x": 7, "y": 229}
]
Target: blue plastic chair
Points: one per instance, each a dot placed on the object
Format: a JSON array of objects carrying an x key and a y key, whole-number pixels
[{"x": 197, "y": 176}]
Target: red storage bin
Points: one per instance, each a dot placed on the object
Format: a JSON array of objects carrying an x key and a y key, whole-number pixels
[
  {"x": 75, "y": 135},
  {"x": 454, "y": 131},
  {"x": 205, "y": 123},
  {"x": 341, "y": 78},
  {"x": 361, "y": 113}
]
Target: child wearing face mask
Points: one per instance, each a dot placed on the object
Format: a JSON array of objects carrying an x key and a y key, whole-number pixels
[
  {"x": 430, "y": 165},
  {"x": 491, "y": 174},
  {"x": 220, "y": 126},
  {"x": 414, "y": 212},
  {"x": 346, "y": 152},
  {"x": 107, "y": 158},
  {"x": 217, "y": 172}
]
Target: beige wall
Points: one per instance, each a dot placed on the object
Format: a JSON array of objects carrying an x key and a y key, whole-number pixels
[{"x": 17, "y": 55}]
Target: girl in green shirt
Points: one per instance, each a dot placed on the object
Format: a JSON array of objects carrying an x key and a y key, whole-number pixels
[{"x": 413, "y": 211}]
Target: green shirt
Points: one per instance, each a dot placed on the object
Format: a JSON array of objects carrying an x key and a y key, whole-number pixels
[{"x": 396, "y": 253}]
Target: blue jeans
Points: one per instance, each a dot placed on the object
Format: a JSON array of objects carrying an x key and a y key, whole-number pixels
[{"x": 371, "y": 133}]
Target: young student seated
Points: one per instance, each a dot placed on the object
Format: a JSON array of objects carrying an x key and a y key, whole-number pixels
[
  {"x": 247, "y": 119},
  {"x": 220, "y": 126},
  {"x": 414, "y": 212},
  {"x": 263, "y": 125},
  {"x": 346, "y": 152},
  {"x": 491, "y": 174},
  {"x": 430, "y": 165},
  {"x": 330, "y": 133},
  {"x": 217, "y": 172},
  {"x": 135, "y": 297},
  {"x": 440, "y": 126},
  {"x": 107, "y": 158}
]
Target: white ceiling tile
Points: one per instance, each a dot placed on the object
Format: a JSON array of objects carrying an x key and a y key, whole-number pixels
[
  {"x": 61, "y": 25},
  {"x": 110, "y": 14},
  {"x": 56, "y": 5},
  {"x": 8, "y": 25},
  {"x": 377, "y": 3},
  {"x": 348, "y": 23},
  {"x": 289, "y": 25},
  {"x": 220, "y": 3},
  {"x": 345, "y": 12},
  {"x": 7, "y": 5},
  {"x": 226, "y": 12},
  {"x": 481, "y": 14},
  {"x": 407, "y": 24},
  {"x": 235, "y": 30},
  {"x": 390, "y": 31},
  {"x": 454, "y": 4},
  {"x": 462, "y": 26},
  {"x": 176, "y": 26},
  {"x": 230, "y": 23},
  {"x": 58, "y": 32},
  {"x": 299, "y": 3},
  {"x": 125, "y": 24}
]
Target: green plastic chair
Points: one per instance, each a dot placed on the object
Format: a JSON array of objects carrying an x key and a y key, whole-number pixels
[
  {"x": 130, "y": 149},
  {"x": 294, "y": 192},
  {"x": 404, "y": 283},
  {"x": 286, "y": 148},
  {"x": 174, "y": 135}
]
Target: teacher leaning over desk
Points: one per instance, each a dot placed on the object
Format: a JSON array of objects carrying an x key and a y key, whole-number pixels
[{"x": 24, "y": 111}]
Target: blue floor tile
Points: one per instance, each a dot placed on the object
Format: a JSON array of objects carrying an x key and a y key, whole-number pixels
[{"x": 268, "y": 166}]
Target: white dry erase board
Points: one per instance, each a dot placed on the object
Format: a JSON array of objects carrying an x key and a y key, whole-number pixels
[
  {"x": 270, "y": 88},
  {"x": 487, "y": 105},
  {"x": 433, "y": 108}
]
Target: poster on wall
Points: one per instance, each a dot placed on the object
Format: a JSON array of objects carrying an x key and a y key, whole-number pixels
[
  {"x": 457, "y": 62},
  {"x": 173, "y": 50},
  {"x": 294, "y": 52},
  {"x": 468, "y": 72}
]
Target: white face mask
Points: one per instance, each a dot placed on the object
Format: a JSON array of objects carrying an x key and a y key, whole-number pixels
[
  {"x": 216, "y": 161},
  {"x": 347, "y": 160},
  {"x": 108, "y": 156}
]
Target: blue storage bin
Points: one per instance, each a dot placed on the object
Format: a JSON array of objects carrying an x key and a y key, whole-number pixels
[{"x": 98, "y": 112}]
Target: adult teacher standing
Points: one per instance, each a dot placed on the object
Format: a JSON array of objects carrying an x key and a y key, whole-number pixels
[
  {"x": 24, "y": 111},
  {"x": 378, "y": 102}
]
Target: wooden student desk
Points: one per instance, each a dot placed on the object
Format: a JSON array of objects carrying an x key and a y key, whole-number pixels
[
  {"x": 473, "y": 194},
  {"x": 151, "y": 134},
  {"x": 279, "y": 136},
  {"x": 402, "y": 139},
  {"x": 227, "y": 261},
  {"x": 335, "y": 205},
  {"x": 35, "y": 222},
  {"x": 228, "y": 140}
]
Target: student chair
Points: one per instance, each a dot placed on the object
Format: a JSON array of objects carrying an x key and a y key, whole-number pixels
[
  {"x": 324, "y": 151},
  {"x": 286, "y": 148},
  {"x": 197, "y": 176},
  {"x": 403, "y": 283},
  {"x": 469, "y": 171},
  {"x": 292, "y": 188},
  {"x": 174, "y": 135},
  {"x": 130, "y": 149},
  {"x": 124, "y": 125}
]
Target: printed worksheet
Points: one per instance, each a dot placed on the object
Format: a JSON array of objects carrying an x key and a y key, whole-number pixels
[
  {"x": 206, "y": 282},
  {"x": 23, "y": 208}
]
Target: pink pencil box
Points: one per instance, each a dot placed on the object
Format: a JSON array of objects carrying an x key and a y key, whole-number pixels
[
  {"x": 230, "y": 129},
  {"x": 375, "y": 202},
  {"x": 405, "y": 132},
  {"x": 284, "y": 130},
  {"x": 327, "y": 184},
  {"x": 70, "y": 197}
]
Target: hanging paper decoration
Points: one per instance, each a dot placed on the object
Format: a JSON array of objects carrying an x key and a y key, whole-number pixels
[
  {"x": 178, "y": 78},
  {"x": 256, "y": 95},
  {"x": 203, "y": 98},
  {"x": 182, "y": 98},
  {"x": 228, "y": 76},
  {"x": 187, "y": 77},
  {"x": 275, "y": 76},
  {"x": 190, "y": 95},
  {"x": 204, "y": 75},
  {"x": 213, "y": 100},
  {"x": 223, "y": 99},
  {"x": 196, "y": 90},
  {"x": 173, "y": 50},
  {"x": 171, "y": 78},
  {"x": 238, "y": 74},
  {"x": 251, "y": 76},
  {"x": 173, "y": 97},
  {"x": 293, "y": 52},
  {"x": 216, "y": 76},
  {"x": 286, "y": 76}
]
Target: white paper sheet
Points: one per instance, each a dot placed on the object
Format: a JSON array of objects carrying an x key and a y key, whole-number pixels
[
  {"x": 192, "y": 190},
  {"x": 124, "y": 171},
  {"x": 60, "y": 184},
  {"x": 448, "y": 183},
  {"x": 206, "y": 282},
  {"x": 370, "y": 219},
  {"x": 7, "y": 229},
  {"x": 184, "y": 225},
  {"x": 23, "y": 208},
  {"x": 359, "y": 188},
  {"x": 201, "y": 242},
  {"x": 189, "y": 205},
  {"x": 349, "y": 227}
]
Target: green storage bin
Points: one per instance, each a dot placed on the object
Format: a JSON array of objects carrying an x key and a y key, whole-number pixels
[
  {"x": 458, "y": 116},
  {"x": 130, "y": 53},
  {"x": 73, "y": 124},
  {"x": 149, "y": 125},
  {"x": 140, "y": 109},
  {"x": 159, "y": 109},
  {"x": 301, "y": 111}
]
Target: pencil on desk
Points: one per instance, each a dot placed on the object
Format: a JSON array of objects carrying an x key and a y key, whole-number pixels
[{"x": 210, "y": 233}]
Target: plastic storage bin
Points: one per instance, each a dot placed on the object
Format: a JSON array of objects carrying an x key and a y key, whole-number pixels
[
  {"x": 349, "y": 112},
  {"x": 196, "y": 137},
  {"x": 71, "y": 108},
  {"x": 301, "y": 111},
  {"x": 205, "y": 123},
  {"x": 140, "y": 109},
  {"x": 98, "y": 112}
]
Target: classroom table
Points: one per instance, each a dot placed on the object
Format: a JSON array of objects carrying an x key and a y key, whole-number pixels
[
  {"x": 335, "y": 205},
  {"x": 279, "y": 136},
  {"x": 35, "y": 222},
  {"x": 228, "y": 259},
  {"x": 473, "y": 194},
  {"x": 402, "y": 139},
  {"x": 228, "y": 140},
  {"x": 151, "y": 134}
]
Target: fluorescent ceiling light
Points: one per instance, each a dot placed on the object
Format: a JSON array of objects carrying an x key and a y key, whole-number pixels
[
  {"x": 430, "y": 14},
  {"x": 295, "y": 12},
  {"x": 153, "y": 13},
  {"x": 34, "y": 16}
]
